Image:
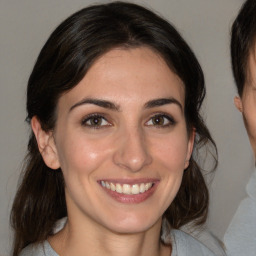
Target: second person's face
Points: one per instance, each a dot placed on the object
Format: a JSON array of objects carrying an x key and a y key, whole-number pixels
[
  {"x": 247, "y": 103},
  {"x": 122, "y": 142}
]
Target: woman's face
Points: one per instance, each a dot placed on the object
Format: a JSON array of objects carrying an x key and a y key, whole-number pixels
[{"x": 122, "y": 142}]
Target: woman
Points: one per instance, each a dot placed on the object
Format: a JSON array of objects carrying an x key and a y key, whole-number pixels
[{"x": 113, "y": 102}]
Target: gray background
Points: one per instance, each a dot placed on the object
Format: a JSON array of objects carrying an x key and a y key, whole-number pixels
[{"x": 205, "y": 24}]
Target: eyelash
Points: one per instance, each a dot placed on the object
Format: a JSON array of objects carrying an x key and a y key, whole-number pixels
[
  {"x": 170, "y": 120},
  {"x": 95, "y": 116},
  {"x": 166, "y": 118}
]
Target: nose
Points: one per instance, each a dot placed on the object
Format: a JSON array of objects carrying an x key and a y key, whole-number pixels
[{"x": 132, "y": 152}]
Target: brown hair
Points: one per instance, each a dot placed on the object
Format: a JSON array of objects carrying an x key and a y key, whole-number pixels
[{"x": 63, "y": 61}]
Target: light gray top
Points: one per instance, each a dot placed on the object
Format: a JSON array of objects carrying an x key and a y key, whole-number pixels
[
  {"x": 240, "y": 237},
  {"x": 43, "y": 249},
  {"x": 182, "y": 245}
]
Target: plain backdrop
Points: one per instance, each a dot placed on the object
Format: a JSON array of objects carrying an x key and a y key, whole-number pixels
[{"x": 205, "y": 24}]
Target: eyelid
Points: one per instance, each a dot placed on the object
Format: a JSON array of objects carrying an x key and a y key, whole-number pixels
[
  {"x": 95, "y": 115},
  {"x": 169, "y": 117}
]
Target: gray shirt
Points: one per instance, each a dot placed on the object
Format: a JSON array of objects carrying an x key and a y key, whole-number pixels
[
  {"x": 182, "y": 245},
  {"x": 240, "y": 237}
]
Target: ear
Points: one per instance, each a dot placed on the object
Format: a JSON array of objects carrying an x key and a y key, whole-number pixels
[
  {"x": 238, "y": 103},
  {"x": 190, "y": 147},
  {"x": 46, "y": 144}
]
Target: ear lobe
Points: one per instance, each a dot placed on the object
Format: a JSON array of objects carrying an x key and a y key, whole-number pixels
[
  {"x": 190, "y": 147},
  {"x": 238, "y": 103},
  {"x": 46, "y": 144}
]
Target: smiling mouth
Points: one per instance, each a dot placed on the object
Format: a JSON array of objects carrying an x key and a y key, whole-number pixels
[{"x": 127, "y": 189}]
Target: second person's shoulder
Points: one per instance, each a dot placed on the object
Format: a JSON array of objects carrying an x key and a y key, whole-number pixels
[{"x": 184, "y": 244}]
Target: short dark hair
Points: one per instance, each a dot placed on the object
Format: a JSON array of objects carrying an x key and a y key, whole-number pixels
[
  {"x": 243, "y": 35},
  {"x": 62, "y": 63}
]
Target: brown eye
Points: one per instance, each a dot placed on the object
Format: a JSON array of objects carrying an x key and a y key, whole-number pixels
[
  {"x": 161, "y": 120},
  {"x": 158, "y": 120},
  {"x": 95, "y": 121}
]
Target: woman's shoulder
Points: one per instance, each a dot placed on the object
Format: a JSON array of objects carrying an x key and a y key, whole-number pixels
[
  {"x": 184, "y": 244},
  {"x": 41, "y": 249}
]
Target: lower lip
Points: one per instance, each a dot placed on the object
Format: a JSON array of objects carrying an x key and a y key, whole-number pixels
[{"x": 131, "y": 199}]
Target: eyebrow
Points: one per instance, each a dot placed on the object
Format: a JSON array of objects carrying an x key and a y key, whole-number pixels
[
  {"x": 97, "y": 102},
  {"x": 163, "y": 101},
  {"x": 110, "y": 105}
]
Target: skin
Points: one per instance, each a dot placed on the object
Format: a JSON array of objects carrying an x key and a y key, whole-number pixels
[
  {"x": 139, "y": 138},
  {"x": 247, "y": 103}
]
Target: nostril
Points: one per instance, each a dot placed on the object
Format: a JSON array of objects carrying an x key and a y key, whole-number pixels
[{"x": 132, "y": 151}]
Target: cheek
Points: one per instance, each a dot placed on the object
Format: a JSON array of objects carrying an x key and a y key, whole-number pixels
[
  {"x": 249, "y": 113},
  {"x": 81, "y": 155},
  {"x": 172, "y": 151},
  {"x": 170, "y": 157}
]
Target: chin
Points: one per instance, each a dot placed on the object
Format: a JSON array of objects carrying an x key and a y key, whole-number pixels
[{"x": 132, "y": 224}]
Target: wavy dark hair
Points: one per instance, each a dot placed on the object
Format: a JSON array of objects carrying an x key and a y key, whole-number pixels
[{"x": 63, "y": 61}]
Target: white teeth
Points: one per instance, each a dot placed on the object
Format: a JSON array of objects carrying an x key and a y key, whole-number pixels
[
  {"x": 119, "y": 188},
  {"x": 148, "y": 186},
  {"x": 127, "y": 189},
  {"x": 142, "y": 188},
  {"x": 135, "y": 189},
  {"x": 112, "y": 187},
  {"x": 107, "y": 185}
]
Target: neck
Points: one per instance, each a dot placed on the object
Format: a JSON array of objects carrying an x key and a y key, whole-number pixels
[{"x": 87, "y": 240}]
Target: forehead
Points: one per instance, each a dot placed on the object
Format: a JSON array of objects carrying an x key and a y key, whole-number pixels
[{"x": 128, "y": 74}]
